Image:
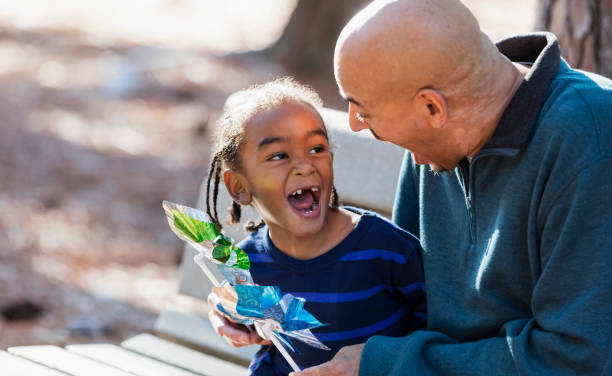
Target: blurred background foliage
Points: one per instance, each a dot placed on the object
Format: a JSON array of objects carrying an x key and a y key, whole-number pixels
[{"x": 106, "y": 111}]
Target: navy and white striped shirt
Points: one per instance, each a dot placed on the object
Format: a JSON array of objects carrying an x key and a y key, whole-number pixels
[{"x": 371, "y": 283}]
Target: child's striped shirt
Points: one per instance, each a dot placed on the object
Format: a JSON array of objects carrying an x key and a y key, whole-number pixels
[{"x": 371, "y": 283}]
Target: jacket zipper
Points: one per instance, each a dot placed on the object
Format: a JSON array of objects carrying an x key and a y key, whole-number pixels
[{"x": 465, "y": 174}]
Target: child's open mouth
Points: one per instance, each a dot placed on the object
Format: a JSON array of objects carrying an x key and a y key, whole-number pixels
[{"x": 306, "y": 201}]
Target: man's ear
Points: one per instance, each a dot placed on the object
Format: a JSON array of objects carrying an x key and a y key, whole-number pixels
[
  {"x": 237, "y": 187},
  {"x": 434, "y": 108}
]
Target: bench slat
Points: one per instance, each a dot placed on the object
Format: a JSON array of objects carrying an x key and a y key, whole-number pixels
[
  {"x": 62, "y": 360},
  {"x": 126, "y": 360},
  {"x": 180, "y": 356},
  {"x": 13, "y": 365},
  {"x": 196, "y": 332}
]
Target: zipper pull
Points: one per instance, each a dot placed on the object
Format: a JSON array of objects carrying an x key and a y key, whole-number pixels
[{"x": 468, "y": 202}]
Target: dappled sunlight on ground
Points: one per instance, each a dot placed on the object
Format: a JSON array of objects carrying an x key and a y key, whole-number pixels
[{"x": 102, "y": 120}]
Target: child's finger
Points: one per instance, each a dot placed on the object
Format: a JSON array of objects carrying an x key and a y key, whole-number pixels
[
  {"x": 255, "y": 338},
  {"x": 264, "y": 342},
  {"x": 216, "y": 321},
  {"x": 237, "y": 335},
  {"x": 213, "y": 300}
]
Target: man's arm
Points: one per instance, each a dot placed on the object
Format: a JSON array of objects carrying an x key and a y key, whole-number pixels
[{"x": 569, "y": 332}]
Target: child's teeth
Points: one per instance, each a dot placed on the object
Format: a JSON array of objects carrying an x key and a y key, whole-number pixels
[
  {"x": 315, "y": 189},
  {"x": 298, "y": 192}
]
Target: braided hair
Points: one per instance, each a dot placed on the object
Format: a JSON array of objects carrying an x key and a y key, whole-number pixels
[{"x": 241, "y": 107}]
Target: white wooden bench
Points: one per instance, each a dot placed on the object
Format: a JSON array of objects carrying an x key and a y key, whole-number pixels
[
  {"x": 142, "y": 355},
  {"x": 184, "y": 343}
]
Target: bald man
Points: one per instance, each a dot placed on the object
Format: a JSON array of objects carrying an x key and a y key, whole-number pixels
[{"x": 508, "y": 182}]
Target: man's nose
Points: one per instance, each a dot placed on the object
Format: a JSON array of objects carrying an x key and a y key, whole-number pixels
[{"x": 354, "y": 122}]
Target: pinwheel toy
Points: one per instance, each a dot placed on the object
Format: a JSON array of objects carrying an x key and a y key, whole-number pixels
[
  {"x": 195, "y": 227},
  {"x": 276, "y": 316}
]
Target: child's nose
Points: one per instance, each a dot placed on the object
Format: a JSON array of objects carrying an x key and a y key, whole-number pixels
[{"x": 303, "y": 166}]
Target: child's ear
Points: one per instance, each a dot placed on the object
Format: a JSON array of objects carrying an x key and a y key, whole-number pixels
[{"x": 237, "y": 187}]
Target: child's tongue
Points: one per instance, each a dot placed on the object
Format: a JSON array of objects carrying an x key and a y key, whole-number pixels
[{"x": 302, "y": 201}]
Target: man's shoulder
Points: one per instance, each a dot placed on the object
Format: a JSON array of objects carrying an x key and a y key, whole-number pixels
[
  {"x": 578, "y": 113},
  {"x": 580, "y": 95},
  {"x": 582, "y": 80}
]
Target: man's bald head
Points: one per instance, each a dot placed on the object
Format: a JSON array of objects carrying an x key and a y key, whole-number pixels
[
  {"x": 421, "y": 74},
  {"x": 397, "y": 47}
]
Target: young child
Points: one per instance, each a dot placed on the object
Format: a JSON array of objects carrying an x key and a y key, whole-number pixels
[{"x": 357, "y": 271}]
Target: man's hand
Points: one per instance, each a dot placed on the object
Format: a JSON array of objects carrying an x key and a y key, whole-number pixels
[
  {"x": 235, "y": 334},
  {"x": 345, "y": 363}
]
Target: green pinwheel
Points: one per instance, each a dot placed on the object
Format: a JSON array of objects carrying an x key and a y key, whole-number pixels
[{"x": 195, "y": 227}]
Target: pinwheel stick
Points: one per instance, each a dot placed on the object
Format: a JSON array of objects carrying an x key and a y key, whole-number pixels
[
  {"x": 270, "y": 334},
  {"x": 200, "y": 261}
]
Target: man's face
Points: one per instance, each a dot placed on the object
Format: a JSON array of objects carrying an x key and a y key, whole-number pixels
[{"x": 396, "y": 119}]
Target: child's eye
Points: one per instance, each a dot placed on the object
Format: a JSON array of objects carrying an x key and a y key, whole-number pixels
[
  {"x": 277, "y": 157},
  {"x": 317, "y": 149}
]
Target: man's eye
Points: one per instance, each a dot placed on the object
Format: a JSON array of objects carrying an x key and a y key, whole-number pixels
[
  {"x": 361, "y": 117},
  {"x": 277, "y": 157}
]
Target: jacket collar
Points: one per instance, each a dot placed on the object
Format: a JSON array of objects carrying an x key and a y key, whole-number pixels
[{"x": 520, "y": 117}]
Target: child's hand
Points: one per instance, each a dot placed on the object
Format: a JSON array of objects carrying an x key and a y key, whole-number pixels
[{"x": 236, "y": 334}]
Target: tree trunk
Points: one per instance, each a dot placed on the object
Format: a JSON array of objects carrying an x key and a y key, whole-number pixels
[
  {"x": 584, "y": 28},
  {"x": 307, "y": 45}
]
